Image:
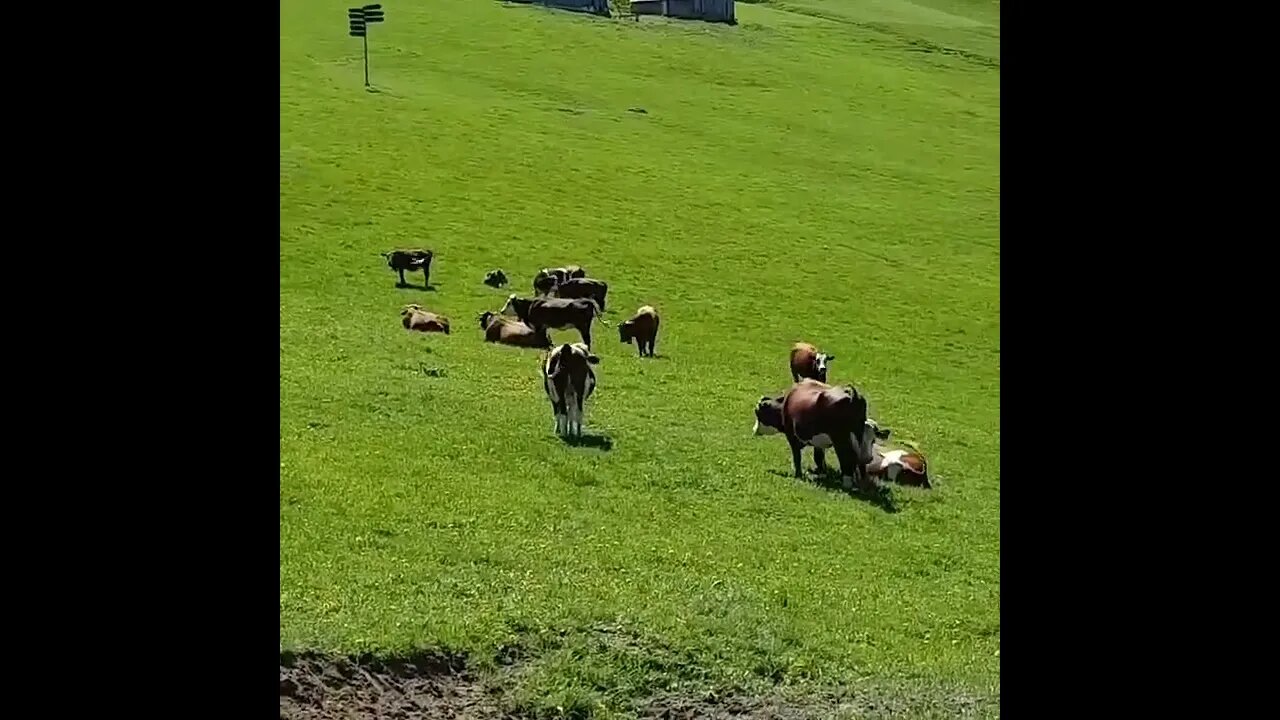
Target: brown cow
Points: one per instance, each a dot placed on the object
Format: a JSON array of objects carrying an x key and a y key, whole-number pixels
[
  {"x": 544, "y": 314},
  {"x": 547, "y": 278},
  {"x": 569, "y": 380},
  {"x": 643, "y": 328},
  {"x": 821, "y": 416},
  {"x": 906, "y": 467},
  {"x": 807, "y": 362},
  {"x": 582, "y": 288},
  {"x": 411, "y": 260},
  {"x": 415, "y": 318},
  {"x": 509, "y": 331}
]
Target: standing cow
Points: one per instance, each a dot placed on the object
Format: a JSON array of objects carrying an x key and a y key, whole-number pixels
[
  {"x": 569, "y": 380},
  {"x": 807, "y": 362},
  {"x": 411, "y": 260},
  {"x": 556, "y": 314},
  {"x": 643, "y": 328},
  {"x": 547, "y": 278},
  {"x": 821, "y": 416},
  {"x": 582, "y": 288}
]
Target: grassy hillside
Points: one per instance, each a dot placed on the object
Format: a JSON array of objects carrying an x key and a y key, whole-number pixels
[{"x": 828, "y": 170}]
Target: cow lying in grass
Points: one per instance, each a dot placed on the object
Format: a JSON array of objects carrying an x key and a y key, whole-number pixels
[
  {"x": 415, "y": 318},
  {"x": 510, "y": 331}
]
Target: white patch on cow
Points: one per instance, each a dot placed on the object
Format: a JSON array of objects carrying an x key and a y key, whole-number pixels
[
  {"x": 763, "y": 429},
  {"x": 822, "y": 440}
]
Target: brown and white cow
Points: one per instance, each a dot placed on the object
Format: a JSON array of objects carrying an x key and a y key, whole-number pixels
[
  {"x": 643, "y": 328},
  {"x": 582, "y": 288},
  {"x": 569, "y": 380},
  {"x": 411, "y": 260},
  {"x": 905, "y": 467},
  {"x": 821, "y": 416},
  {"x": 415, "y": 318},
  {"x": 543, "y": 314},
  {"x": 807, "y": 362},
  {"x": 547, "y": 278},
  {"x": 495, "y": 278},
  {"x": 510, "y": 331}
]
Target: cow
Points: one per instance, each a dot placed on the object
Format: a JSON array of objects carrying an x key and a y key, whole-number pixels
[
  {"x": 643, "y": 328},
  {"x": 510, "y": 331},
  {"x": 548, "y": 278},
  {"x": 569, "y": 380},
  {"x": 905, "y": 467},
  {"x": 582, "y": 288},
  {"x": 411, "y": 260},
  {"x": 495, "y": 278},
  {"x": 807, "y": 362},
  {"x": 544, "y": 314},
  {"x": 822, "y": 416},
  {"x": 415, "y": 318}
]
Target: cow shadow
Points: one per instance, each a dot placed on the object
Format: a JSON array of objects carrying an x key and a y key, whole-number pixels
[
  {"x": 831, "y": 480},
  {"x": 588, "y": 440},
  {"x": 411, "y": 286}
]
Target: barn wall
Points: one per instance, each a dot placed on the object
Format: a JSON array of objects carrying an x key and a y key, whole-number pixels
[
  {"x": 598, "y": 7},
  {"x": 711, "y": 10}
]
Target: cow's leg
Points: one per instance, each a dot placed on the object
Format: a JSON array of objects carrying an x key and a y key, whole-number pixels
[
  {"x": 796, "y": 447},
  {"x": 851, "y": 468},
  {"x": 426, "y": 276},
  {"x": 819, "y": 460},
  {"x": 585, "y": 330},
  {"x": 401, "y": 271}
]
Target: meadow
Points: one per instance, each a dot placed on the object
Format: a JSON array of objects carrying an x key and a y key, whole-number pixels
[{"x": 827, "y": 171}]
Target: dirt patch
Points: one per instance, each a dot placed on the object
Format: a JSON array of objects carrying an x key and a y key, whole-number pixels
[{"x": 324, "y": 687}]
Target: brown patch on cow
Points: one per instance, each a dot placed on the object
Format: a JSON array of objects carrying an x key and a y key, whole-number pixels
[
  {"x": 413, "y": 317},
  {"x": 804, "y": 363},
  {"x": 510, "y": 331}
]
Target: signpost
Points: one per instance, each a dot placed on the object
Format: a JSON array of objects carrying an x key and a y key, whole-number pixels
[{"x": 358, "y": 19}]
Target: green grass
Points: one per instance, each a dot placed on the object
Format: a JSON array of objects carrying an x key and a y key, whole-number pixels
[{"x": 809, "y": 174}]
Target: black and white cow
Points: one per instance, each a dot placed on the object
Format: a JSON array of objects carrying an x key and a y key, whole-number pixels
[{"x": 569, "y": 380}]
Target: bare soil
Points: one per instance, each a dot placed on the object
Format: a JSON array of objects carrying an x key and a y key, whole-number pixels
[{"x": 314, "y": 686}]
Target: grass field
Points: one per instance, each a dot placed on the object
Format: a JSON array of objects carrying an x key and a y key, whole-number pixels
[{"x": 828, "y": 170}]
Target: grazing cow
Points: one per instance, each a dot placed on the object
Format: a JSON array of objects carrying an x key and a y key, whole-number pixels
[
  {"x": 906, "y": 467},
  {"x": 821, "y": 416},
  {"x": 411, "y": 260},
  {"x": 569, "y": 381},
  {"x": 582, "y": 288},
  {"x": 495, "y": 278},
  {"x": 807, "y": 362},
  {"x": 415, "y": 318},
  {"x": 643, "y": 328},
  {"x": 548, "y": 278},
  {"x": 544, "y": 314},
  {"x": 509, "y": 331}
]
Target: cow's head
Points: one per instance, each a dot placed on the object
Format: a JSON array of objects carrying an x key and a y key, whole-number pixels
[
  {"x": 768, "y": 416},
  {"x": 821, "y": 363},
  {"x": 410, "y": 308},
  {"x": 627, "y": 331},
  {"x": 495, "y": 278},
  {"x": 875, "y": 432},
  {"x": 575, "y": 271},
  {"x": 485, "y": 318}
]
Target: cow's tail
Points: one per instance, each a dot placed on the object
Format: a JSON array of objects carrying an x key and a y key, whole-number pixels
[{"x": 596, "y": 311}]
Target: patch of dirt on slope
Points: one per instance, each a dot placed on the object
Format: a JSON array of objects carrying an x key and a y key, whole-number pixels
[{"x": 323, "y": 687}]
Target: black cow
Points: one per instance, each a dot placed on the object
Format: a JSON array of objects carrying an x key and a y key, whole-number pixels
[
  {"x": 582, "y": 288},
  {"x": 543, "y": 314},
  {"x": 548, "y": 278},
  {"x": 411, "y": 260}
]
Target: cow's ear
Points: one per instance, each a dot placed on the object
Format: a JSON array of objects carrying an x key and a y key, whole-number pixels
[
  {"x": 830, "y": 358},
  {"x": 593, "y": 359},
  {"x": 883, "y": 433}
]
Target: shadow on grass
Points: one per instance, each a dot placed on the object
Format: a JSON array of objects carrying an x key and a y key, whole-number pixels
[
  {"x": 831, "y": 480},
  {"x": 587, "y": 440}
]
